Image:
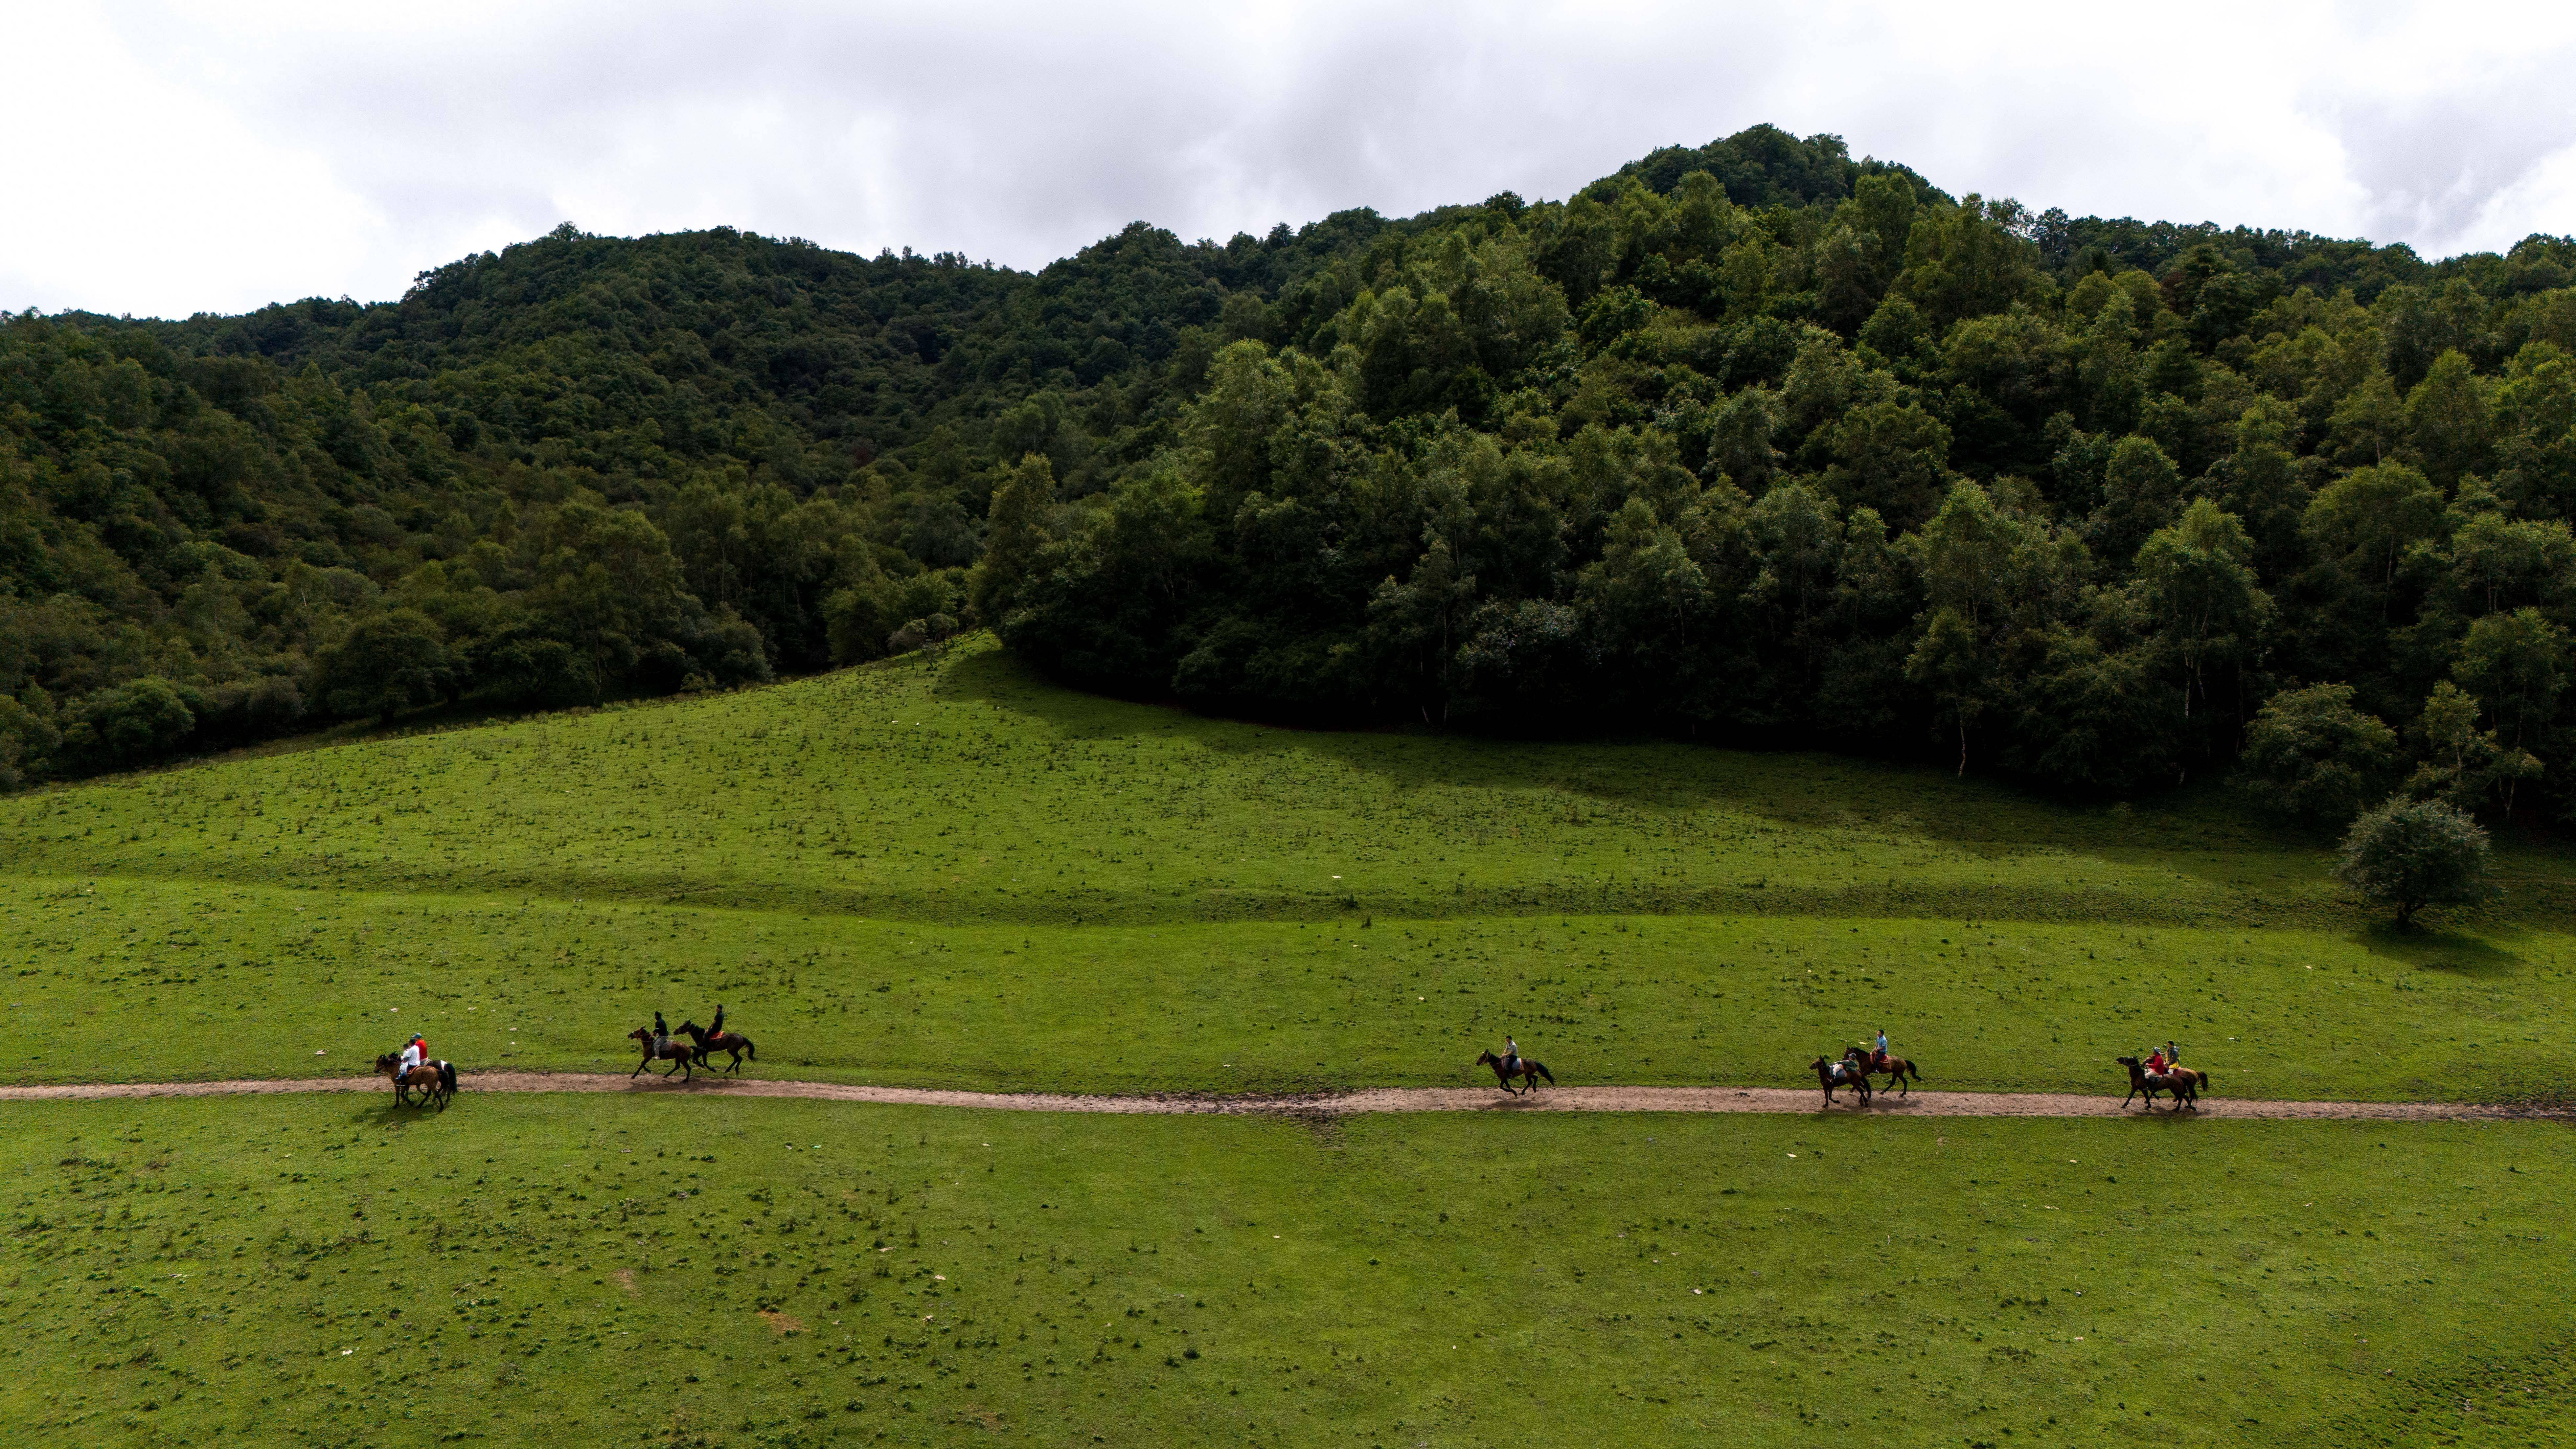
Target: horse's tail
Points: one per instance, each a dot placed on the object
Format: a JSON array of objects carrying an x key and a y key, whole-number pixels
[
  {"x": 748, "y": 1050},
  {"x": 1915, "y": 1069},
  {"x": 447, "y": 1075},
  {"x": 1542, "y": 1071}
]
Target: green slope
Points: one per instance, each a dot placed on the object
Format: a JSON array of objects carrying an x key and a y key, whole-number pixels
[
  {"x": 949, "y": 873},
  {"x": 965, "y": 790}
]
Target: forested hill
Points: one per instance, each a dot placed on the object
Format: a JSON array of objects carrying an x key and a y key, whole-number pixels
[{"x": 1750, "y": 442}]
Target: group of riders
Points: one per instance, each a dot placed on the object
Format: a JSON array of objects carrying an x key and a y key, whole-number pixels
[
  {"x": 2161, "y": 1066},
  {"x": 1868, "y": 1058},
  {"x": 662, "y": 1030},
  {"x": 413, "y": 1068}
]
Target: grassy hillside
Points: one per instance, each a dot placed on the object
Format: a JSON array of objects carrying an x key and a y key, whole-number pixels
[
  {"x": 967, "y": 790},
  {"x": 775, "y": 1273},
  {"x": 948, "y": 873}
]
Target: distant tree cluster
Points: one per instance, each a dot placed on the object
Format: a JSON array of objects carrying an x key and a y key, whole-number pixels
[{"x": 1752, "y": 442}]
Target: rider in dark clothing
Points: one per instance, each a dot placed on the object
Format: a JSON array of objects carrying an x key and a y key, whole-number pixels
[
  {"x": 717, "y": 1029},
  {"x": 661, "y": 1033}
]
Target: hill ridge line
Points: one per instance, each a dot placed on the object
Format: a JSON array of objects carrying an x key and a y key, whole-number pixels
[{"x": 1367, "y": 1100}]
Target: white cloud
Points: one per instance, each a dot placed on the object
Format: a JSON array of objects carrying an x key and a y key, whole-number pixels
[{"x": 169, "y": 158}]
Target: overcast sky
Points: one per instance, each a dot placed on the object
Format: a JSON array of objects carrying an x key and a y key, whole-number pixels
[{"x": 173, "y": 158}]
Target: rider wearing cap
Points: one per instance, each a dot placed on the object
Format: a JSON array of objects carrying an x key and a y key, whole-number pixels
[{"x": 415, "y": 1053}]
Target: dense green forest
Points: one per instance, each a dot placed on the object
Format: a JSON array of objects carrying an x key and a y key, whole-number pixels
[{"x": 1753, "y": 443}]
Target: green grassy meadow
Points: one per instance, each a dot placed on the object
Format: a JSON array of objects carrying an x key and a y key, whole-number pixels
[
  {"x": 946, "y": 873},
  {"x": 697, "y": 1271},
  {"x": 158, "y": 979},
  {"x": 963, "y": 790}
]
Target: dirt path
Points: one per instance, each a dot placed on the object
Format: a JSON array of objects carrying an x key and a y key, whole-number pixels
[{"x": 1378, "y": 1099}]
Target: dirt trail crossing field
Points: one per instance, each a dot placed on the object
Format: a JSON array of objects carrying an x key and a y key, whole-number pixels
[{"x": 1382, "y": 1099}]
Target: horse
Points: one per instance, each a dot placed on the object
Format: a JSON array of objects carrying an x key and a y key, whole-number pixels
[
  {"x": 1830, "y": 1075},
  {"x": 436, "y": 1081},
  {"x": 1898, "y": 1069},
  {"x": 1528, "y": 1071},
  {"x": 678, "y": 1053},
  {"x": 2186, "y": 1084},
  {"x": 730, "y": 1041}
]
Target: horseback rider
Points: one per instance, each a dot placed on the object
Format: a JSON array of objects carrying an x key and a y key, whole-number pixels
[
  {"x": 1878, "y": 1062},
  {"x": 1511, "y": 1055},
  {"x": 661, "y": 1035},
  {"x": 716, "y": 1029},
  {"x": 2156, "y": 1063},
  {"x": 415, "y": 1053}
]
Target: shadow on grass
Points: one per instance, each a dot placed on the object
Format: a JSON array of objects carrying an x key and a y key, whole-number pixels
[
  {"x": 383, "y": 1112},
  {"x": 2445, "y": 951},
  {"x": 2196, "y": 832}
]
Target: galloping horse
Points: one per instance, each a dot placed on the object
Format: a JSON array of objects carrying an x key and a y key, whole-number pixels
[
  {"x": 674, "y": 1052},
  {"x": 1830, "y": 1075},
  {"x": 436, "y": 1081},
  {"x": 1898, "y": 1069},
  {"x": 1528, "y": 1071},
  {"x": 729, "y": 1041},
  {"x": 2185, "y": 1083}
]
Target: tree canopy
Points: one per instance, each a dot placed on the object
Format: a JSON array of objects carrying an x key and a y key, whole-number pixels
[{"x": 1751, "y": 442}]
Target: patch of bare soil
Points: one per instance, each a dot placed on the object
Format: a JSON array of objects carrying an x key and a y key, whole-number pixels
[{"x": 1375, "y": 1099}]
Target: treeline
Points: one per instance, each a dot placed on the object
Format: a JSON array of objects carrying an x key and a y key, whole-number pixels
[
  {"x": 1750, "y": 442},
  {"x": 579, "y": 469}
]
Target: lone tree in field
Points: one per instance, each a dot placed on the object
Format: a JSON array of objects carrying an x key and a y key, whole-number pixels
[{"x": 2414, "y": 853}]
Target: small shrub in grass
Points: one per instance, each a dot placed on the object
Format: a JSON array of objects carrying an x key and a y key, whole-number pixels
[{"x": 2414, "y": 853}]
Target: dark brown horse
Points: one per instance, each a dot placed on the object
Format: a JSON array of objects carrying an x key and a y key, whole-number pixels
[
  {"x": 727, "y": 1041},
  {"x": 676, "y": 1052},
  {"x": 2186, "y": 1084},
  {"x": 1528, "y": 1071},
  {"x": 435, "y": 1081},
  {"x": 1898, "y": 1069},
  {"x": 1830, "y": 1075}
]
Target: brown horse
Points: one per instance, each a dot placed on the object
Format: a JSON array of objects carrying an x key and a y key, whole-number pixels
[
  {"x": 729, "y": 1041},
  {"x": 2186, "y": 1084},
  {"x": 1830, "y": 1075},
  {"x": 676, "y": 1052},
  {"x": 1528, "y": 1071},
  {"x": 1898, "y": 1069},
  {"x": 435, "y": 1081}
]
